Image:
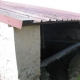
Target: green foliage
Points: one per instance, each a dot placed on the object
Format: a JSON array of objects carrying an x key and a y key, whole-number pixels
[{"x": 78, "y": 78}]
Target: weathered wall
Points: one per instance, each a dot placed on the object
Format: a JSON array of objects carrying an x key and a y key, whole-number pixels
[
  {"x": 8, "y": 65},
  {"x": 19, "y": 53},
  {"x": 27, "y": 45}
]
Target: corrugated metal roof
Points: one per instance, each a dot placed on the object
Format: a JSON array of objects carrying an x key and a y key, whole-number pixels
[{"x": 35, "y": 14}]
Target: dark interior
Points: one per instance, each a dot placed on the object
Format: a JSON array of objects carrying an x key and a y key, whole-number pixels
[
  {"x": 56, "y": 37},
  {"x": 52, "y": 48}
]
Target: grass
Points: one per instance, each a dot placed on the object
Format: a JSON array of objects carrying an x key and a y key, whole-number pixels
[{"x": 78, "y": 78}]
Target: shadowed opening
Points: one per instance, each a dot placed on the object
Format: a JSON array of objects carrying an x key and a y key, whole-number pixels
[{"x": 55, "y": 38}]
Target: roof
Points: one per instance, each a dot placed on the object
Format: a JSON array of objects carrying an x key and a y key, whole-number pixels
[{"x": 19, "y": 15}]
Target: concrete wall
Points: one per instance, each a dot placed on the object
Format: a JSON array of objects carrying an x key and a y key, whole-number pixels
[
  {"x": 27, "y": 45},
  {"x": 19, "y": 53}
]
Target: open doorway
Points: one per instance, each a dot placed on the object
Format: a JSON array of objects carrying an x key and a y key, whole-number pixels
[{"x": 54, "y": 39}]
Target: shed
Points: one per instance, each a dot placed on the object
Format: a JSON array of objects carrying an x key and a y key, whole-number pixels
[{"x": 21, "y": 38}]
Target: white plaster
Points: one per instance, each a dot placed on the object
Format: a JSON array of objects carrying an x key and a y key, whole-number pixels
[
  {"x": 19, "y": 52},
  {"x": 8, "y": 65}
]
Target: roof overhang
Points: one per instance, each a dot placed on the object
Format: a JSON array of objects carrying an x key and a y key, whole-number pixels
[{"x": 18, "y": 15}]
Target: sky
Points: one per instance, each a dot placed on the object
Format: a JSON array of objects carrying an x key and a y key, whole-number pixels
[{"x": 67, "y": 5}]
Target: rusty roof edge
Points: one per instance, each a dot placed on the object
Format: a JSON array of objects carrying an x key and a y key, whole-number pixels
[
  {"x": 36, "y": 17},
  {"x": 24, "y": 5},
  {"x": 14, "y": 19}
]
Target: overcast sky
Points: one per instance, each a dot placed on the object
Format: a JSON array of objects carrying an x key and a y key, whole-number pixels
[{"x": 68, "y": 5}]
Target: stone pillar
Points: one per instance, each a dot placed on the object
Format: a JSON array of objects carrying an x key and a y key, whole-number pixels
[
  {"x": 27, "y": 45},
  {"x": 20, "y": 52}
]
